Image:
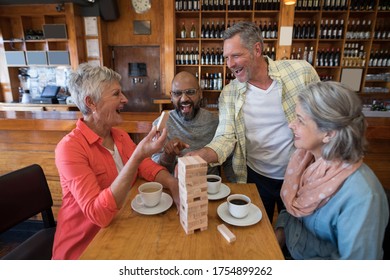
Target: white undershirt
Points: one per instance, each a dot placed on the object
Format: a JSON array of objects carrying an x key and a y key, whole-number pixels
[
  {"x": 269, "y": 141},
  {"x": 117, "y": 158}
]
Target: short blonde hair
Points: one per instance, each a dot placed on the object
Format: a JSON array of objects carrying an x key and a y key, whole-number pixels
[{"x": 89, "y": 80}]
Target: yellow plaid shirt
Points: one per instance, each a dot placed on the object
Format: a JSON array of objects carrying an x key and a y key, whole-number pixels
[{"x": 292, "y": 75}]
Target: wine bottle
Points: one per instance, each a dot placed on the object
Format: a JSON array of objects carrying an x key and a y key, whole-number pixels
[
  {"x": 293, "y": 55},
  {"x": 305, "y": 54},
  {"x": 202, "y": 31},
  {"x": 182, "y": 58},
  {"x": 221, "y": 58},
  {"x": 203, "y": 57},
  {"x": 275, "y": 31},
  {"x": 313, "y": 30},
  {"x": 310, "y": 56},
  {"x": 192, "y": 56},
  {"x": 217, "y": 33},
  {"x": 269, "y": 30},
  {"x": 329, "y": 30},
  {"x": 178, "y": 56},
  {"x": 183, "y": 32},
  {"x": 304, "y": 31},
  {"x": 196, "y": 56},
  {"x": 178, "y": 4},
  {"x": 193, "y": 31},
  {"x": 207, "y": 30},
  {"x": 212, "y": 30},
  {"x": 207, "y": 60},
  {"x": 212, "y": 57},
  {"x": 340, "y": 29},
  {"x": 187, "y": 57},
  {"x": 222, "y": 30}
]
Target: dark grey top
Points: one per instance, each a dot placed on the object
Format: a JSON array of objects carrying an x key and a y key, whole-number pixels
[{"x": 197, "y": 133}]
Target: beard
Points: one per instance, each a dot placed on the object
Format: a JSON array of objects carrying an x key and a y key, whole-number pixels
[{"x": 194, "y": 109}]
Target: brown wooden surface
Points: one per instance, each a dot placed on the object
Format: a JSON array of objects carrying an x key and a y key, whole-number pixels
[{"x": 161, "y": 237}]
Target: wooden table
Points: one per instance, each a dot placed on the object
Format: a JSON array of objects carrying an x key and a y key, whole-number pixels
[{"x": 161, "y": 237}]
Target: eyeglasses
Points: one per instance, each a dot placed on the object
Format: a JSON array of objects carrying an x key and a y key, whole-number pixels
[{"x": 188, "y": 92}]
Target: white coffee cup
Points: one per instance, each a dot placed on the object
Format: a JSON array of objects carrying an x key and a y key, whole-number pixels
[
  {"x": 149, "y": 194},
  {"x": 213, "y": 183},
  {"x": 239, "y": 205}
]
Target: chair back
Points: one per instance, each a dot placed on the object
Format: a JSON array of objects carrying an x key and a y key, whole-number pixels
[{"x": 25, "y": 193}]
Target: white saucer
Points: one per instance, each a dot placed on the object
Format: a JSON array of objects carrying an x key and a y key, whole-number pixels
[
  {"x": 253, "y": 217},
  {"x": 165, "y": 203},
  {"x": 223, "y": 192}
]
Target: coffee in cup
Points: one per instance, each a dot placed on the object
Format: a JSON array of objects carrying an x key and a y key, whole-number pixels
[
  {"x": 213, "y": 183},
  {"x": 149, "y": 194},
  {"x": 238, "y": 205}
]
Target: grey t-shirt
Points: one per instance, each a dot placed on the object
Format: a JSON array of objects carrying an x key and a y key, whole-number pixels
[{"x": 197, "y": 133}]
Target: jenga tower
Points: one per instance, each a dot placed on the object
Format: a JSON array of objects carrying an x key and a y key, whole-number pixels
[{"x": 193, "y": 193}]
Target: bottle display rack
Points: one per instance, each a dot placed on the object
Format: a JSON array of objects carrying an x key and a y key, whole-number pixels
[{"x": 332, "y": 35}]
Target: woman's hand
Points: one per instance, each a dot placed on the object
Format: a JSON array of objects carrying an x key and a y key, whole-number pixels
[{"x": 151, "y": 144}]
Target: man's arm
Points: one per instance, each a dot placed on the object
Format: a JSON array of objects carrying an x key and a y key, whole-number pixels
[{"x": 208, "y": 154}]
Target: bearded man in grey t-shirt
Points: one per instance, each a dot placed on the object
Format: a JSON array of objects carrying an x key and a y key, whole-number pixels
[{"x": 189, "y": 126}]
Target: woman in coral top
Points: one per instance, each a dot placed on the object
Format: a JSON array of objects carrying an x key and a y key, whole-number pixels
[{"x": 98, "y": 163}]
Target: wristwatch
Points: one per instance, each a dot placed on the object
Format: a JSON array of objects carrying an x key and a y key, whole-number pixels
[{"x": 141, "y": 6}]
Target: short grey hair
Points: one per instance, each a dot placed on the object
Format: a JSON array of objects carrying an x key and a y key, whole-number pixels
[
  {"x": 89, "y": 80},
  {"x": 333, "y": 106},
  {"x": 249, "y": 33}
]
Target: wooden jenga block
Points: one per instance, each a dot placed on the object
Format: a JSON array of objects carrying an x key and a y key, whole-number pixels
[
  {"x": 226, "y": 233},
  {"x": 193, "y": 198},
  {"x": 189, "y": 173},
  {"x": 193, "y": 184},
  {"x": 192, "y": 215},
  {"x": 191, "y": 226},
  {"x": 193, "y": 189},
  {"x": 192, "y": 162},
  {"x": 163, "y": 120},
  {"x": 200, "y": 206}
]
